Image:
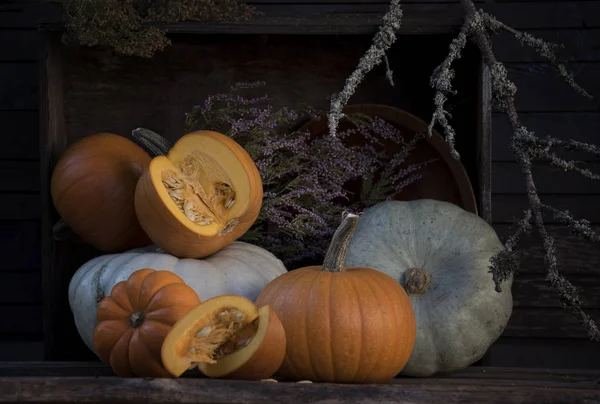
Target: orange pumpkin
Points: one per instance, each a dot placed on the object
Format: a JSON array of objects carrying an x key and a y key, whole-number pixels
[
  {"x": 226, "y": 337},
  {"x": 92, "y": 188},
  {"x": 135, "y": 319},
  {"x": 200, "y": 197},
  {"x": 343, "y": 325}
]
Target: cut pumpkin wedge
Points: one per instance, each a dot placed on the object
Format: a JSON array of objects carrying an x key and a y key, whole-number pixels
[
  {"x": 200, "y": 197},
  {"x": 226, "y": 337}
]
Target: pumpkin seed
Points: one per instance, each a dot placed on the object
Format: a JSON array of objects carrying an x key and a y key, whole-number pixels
[
  {"x": 229, "y": 203},
  {"x": 204, "y": 332}
]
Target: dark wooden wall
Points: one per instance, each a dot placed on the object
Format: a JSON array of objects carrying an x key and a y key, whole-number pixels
[{"x": 539, "y": 325}]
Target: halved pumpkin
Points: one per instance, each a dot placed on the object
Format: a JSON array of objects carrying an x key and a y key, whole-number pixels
[
  {"x": 226, "y": 337},
  {"x": 200, "y": 197}
]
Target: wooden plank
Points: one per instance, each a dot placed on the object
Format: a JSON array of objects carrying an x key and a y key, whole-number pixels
[
  {"x": 21, "y": 350},
  {"x": 20, "y": 207},
  {"x": 579, "y": 126},
  {"x": 20, "y": 176},
  {"x": 324, "y": 19},
  {"x": 578, "y": 45},
  {"x": 546, "y": 14},
  {"x": 547, "y": 323},
  {"x": 416, "y": 391},
  {"x": 20, "y": 288},
  {"x": 20, "y": 245},
  {"x": 21, "y": 322},
  {"x": 19, "y": 45},
  {"x": 484, "y": 140},
  {"x": 18, "y": 88},
  {"x": 533, "y": 291},
  {"x": 52, "y": 136},
  {"x": 20, "y": 131},
  {"x": 546, "y": 353},
  {"x": 507, "y": 208},
  {"x": 508, "y": 179},
  {"x": 541, "y": 89},
  {"x": 575, "y": 255}
]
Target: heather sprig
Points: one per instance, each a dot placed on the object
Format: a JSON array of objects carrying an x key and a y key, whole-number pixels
[{"x": 305, "y": 178}]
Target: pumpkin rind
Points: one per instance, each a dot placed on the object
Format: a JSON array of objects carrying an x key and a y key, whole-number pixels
[
  {"x": 257, "y": 359},
  {"x": 223, "y": 219},
  {"x": 135, "y": 318},
  {"x": 459, "y": 314},
  {"x": 353, "y": 325},
  {"x": 240, "y": 268},
  {"x": 92, "y": 187}
]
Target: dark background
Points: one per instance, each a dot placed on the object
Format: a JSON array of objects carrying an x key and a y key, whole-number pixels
[{"x": 540, "y": 332}]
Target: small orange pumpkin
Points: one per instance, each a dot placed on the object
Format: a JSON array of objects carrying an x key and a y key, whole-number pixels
[
  {"x": 92, "y": 188},
  {"x": 200, "y": 197},
  {"x": 343, "y": 325},
  {"x": 135, "y": 318},
  {"x": 226, "y": 337}
]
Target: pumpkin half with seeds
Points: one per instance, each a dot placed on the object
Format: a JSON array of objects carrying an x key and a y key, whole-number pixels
[
  {"x": 201, "y": 196},
  {"x": 226, "y": 337}
]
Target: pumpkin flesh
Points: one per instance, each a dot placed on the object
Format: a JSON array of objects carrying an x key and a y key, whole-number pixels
[
  {"x": 228, "y": 337},
  {"x": 135, "y": 318},
  {"x": 204, "y": 194}
]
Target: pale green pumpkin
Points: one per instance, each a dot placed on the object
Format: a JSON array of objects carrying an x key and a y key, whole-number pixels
[{"x": 440, "y": 254}]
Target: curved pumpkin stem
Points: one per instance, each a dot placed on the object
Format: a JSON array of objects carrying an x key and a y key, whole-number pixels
[
  {"x": 62, "y": 232},
  {"x": 152, "y": 141},
  {"x": 336, "y": 253}
]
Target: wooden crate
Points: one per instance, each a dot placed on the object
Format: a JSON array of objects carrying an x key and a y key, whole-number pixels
[
  {"x": 51, "y": 382},
  {"x": 91, "y": 90}
]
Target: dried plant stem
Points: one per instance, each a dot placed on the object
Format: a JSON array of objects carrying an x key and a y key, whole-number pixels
[{"x": 526, "y": 146}]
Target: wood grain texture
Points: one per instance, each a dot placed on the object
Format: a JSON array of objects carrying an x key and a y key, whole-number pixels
[
  {"x": 448, "y": 390},
  {"x": 534, "y": 291},
  {"x": 544, "y": 353},
  {"x": 508, "y": 179},
  {"x": 579, "y": 126},
  {"x": 19, "y": 86},
  {"x": 547, "y": 323},
  {"x": 575, "y": 256},
  {"x": 577, "y": 45},
  {"x": 541, "y": 89},
  {"x": 507, "y": 208}
]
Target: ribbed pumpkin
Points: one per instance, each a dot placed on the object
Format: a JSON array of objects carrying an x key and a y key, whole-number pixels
[
  {"x": 204, "y": 194},
  {"x": 342, "y": 325},
  {"x": 240, "y": 268},
  {"x": 440, "y": 254},
  {"x": 135, "y": 318},
  {"x": 93, "y": 186}
]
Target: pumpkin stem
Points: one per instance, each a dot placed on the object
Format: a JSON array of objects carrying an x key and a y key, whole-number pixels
[
  {"x": 152, "y": 141},
  {"x": 62, "y": 232},
  {"x": 136, "y": 319},
  {"x": 336, "y": 253},
  {"x": 417, "y": 281}
]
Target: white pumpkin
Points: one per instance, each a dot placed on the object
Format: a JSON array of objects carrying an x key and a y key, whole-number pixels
[
  {"x": 240, "y": 268},
  {"x": 440, "y": 254}
]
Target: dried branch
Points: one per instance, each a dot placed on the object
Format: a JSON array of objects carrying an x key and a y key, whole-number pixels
[
  {"x": 526, "y": 146},
  {"x": 382, "y": 41}
]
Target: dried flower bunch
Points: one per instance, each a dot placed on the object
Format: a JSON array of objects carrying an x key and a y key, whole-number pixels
[
  {"x": 305, "y": 178},
  {"x": 526, "y": 145},
  {"x": 127, "y": 25}
]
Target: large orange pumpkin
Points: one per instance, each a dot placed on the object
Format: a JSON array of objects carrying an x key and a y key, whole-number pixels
[
  {"x": 200, "y": 197},
  {"x": 135, "y": 319},
  {"x": 343, "y": 325},
  {"x": 92, "y": 187}
]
